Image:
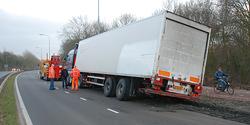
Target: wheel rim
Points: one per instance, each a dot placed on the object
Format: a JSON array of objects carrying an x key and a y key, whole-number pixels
[
  {"x": 108, "y": 86},
  {"x": 120, "y": 89}
]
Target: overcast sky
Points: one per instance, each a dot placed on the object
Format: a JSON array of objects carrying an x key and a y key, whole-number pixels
[{"x": 21, "y": 21}]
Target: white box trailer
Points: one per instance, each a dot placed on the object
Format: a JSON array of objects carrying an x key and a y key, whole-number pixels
[{"x": 164, "y": 54}]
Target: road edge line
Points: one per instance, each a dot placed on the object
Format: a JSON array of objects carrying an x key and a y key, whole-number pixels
[
  {"x": 4, "y": 81},
  {"x": 24, "y": 112}
]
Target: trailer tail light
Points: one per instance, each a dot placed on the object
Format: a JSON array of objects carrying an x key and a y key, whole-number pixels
[
  {"x": 198, "y": 88},
  {"x": 158, "y": 80},
  {"x": 157, "y": 83}
]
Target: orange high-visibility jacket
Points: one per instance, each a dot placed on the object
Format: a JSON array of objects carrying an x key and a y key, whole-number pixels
[
  {"x": 51, "y": 72},
  {"x": 75, "y": 73}
]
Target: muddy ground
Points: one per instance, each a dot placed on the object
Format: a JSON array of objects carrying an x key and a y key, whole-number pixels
[{"x": 227, "y": 109}]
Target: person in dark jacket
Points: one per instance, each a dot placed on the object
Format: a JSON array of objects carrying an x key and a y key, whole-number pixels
[
  {"x": 219, "y": 74},
  {"x": 64, "y": 75},
  {"x": 221, "y": 78}
]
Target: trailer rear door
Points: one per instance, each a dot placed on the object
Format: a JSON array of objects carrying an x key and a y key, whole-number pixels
[{"x": 182, "y": 51}]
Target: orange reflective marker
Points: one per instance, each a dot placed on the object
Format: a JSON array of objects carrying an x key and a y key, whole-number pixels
[
  {"x": 194, "y": 79},
  {"x": 164, "y": 73}
]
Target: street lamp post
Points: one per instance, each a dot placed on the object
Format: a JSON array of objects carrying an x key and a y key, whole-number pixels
[
  {"x": 49, "y": 41},
  {"x": 98, "y": 19}
]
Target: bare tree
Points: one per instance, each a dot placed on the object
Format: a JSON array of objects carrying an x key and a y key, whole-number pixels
[
  {"x": 124, "y": 19},
  {"x": 78, "y": 29},
  {"x": 241, "y": 9},
  {"x": 158, "y": 12},
  {"x": 168, "y": 5},
  {"x": 96, "y": 28}
]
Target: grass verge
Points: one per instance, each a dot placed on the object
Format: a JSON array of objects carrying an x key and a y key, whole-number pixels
[{"x": 8, "y": 109}]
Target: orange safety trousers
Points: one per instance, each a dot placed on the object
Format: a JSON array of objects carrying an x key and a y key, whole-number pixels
[{"x": 74, "y": 84}]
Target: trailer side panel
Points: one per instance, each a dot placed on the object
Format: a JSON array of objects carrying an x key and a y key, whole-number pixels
[{"x": 127, "y": 51}]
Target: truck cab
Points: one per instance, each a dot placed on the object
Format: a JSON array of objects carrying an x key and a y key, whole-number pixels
[{"x": 45, "y": 64}]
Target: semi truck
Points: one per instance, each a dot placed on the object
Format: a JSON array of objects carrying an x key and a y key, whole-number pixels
[
  {"x": 45, "y": 64},
  {"x": 161, "y": 55}
]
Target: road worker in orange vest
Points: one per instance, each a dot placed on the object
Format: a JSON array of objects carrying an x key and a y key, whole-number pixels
[
  {"x": 51, "y": 77},
  {"x": 75, "y": 74}
]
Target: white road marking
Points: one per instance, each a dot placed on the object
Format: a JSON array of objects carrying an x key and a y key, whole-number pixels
[
  {"x": 112, "y": 110},
  {"x": 83, "y": 99},
  {"x": 66, "y": 92},
  {"x": 22, "y": 106}
]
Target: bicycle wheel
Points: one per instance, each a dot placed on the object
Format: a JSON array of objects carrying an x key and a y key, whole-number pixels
[
  {"x": 215, "y": 89},
  {"x": 230, "y": 90}
]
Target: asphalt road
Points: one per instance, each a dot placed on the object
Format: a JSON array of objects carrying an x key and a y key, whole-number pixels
[
  {"x": 3, "y": 73},
  {"x": 90, "y": 107}
]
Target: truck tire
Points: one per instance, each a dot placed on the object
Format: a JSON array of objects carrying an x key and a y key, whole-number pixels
[
  {"x": 122, "y": 89},
  {"x": 109, "y": 87}
]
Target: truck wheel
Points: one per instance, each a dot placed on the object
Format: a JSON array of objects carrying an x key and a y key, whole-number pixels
[
  {"x": 109, "y": 87},
  {"x": 122, "y": 89}
]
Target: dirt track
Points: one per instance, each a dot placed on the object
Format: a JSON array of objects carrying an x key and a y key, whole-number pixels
[
  {"x": 234, "y": 107},
  {"x": 239, "y": 95},
  {"x": 218, "y": 107}
]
